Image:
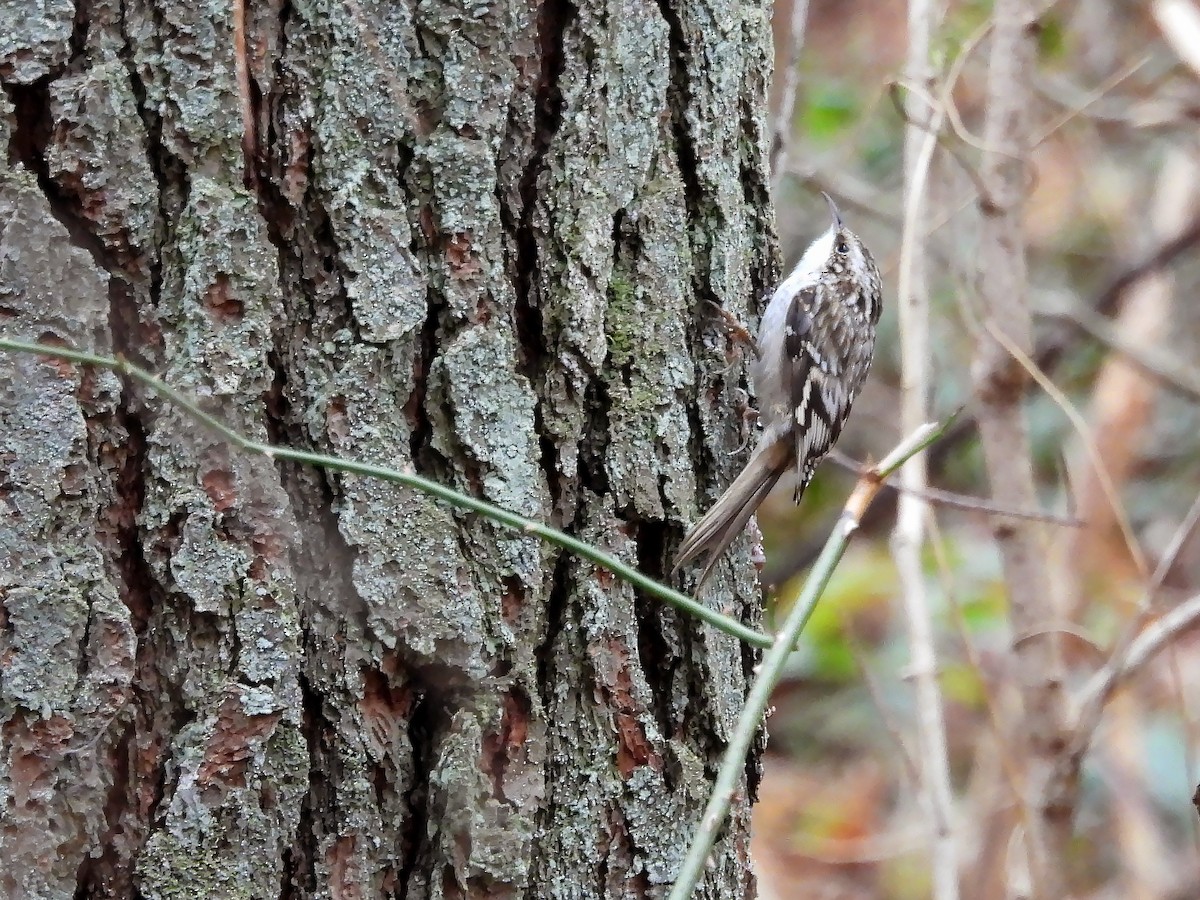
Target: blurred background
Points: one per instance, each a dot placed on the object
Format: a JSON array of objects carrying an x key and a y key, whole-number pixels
[{"x": 1111, "y": 227}]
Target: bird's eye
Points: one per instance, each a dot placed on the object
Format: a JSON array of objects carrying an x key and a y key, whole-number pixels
[{"x": 841, "y": 247}]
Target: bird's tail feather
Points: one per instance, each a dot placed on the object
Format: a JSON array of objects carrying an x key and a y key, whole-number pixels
[{"x": 713, "y": 534}]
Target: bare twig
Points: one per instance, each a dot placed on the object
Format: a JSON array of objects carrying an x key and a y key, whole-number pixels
[
  {"x": 1170, "y": 371},
  {"x": 953, "y": 500},
  {"x": 1179, "y": 22},
  {"x": 1003, "y": 430},
  {"x": 956, "y": 500},
  {"x": 920, "y": 142},
  {"x": 733, "y": 763},
  {"x": 727, "y": 624},
  {"x": 948, "y": 145},
  {"x": 1104, "y": 304},
  {"x": 782, "y": 126},
  {"x": 1153, "y": 638},
  {"x": 1182, "y": 533},
  {"x": 1092, "y": 699},
  {"x": 1085, "y": 436},
  {"x": 1092, "y": 97},
  {"x": 1123, "y": 401},
  {"x": 849, "y": 192},
  {"x": 1000, "y": 734},
  {"x": 911, "y": 767},
  {"x": 1154, "y": 112},
  {"x": 1122, "y": 398},
  {"x": 1166, "y": 254}
]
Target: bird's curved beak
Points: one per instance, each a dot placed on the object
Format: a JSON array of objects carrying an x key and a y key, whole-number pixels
[{"x": 833, "y": 210}]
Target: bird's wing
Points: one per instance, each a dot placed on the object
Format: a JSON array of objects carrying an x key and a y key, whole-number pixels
[{"x": 816, "y": 426}]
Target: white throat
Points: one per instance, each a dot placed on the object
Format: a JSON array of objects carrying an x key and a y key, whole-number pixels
[{"x": 810, "y": 264}]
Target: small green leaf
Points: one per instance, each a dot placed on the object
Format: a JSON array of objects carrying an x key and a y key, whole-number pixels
[
  {"x": 1051, "y": 38},
  {"x": 831, "y": 108}
]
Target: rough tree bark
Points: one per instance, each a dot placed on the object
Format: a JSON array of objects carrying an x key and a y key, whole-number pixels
[{"x": 478, "y": 240}]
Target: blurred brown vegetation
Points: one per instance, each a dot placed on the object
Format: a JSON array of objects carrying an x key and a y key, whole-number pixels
[{"x": 1111, "y": 237}]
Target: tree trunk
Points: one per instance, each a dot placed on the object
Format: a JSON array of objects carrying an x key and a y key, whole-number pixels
[{"x": 480, "y": 241}]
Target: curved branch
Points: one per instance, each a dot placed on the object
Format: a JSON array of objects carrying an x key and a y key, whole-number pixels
[
  {"x": 733, "y": 763},
  {"x": 720, "y": 621}
]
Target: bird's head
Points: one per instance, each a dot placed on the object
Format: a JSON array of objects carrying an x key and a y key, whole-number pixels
[{"x": 839, "y": 256}]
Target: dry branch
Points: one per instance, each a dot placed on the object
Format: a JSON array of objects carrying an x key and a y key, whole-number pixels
[
  {"x": 999, "y": 384},
  {"x": 921, "y": 138}
]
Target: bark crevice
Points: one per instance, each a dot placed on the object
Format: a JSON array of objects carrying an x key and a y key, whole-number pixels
[
  {"x": 30, "y": 139},
  {"x": 533, "y": 349}
]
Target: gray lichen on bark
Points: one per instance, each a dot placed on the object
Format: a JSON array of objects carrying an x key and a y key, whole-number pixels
[
  {"x": 66, "y": 641},
  {"x": 35, "y": 40},
  {"x": 480, "y": 242}
]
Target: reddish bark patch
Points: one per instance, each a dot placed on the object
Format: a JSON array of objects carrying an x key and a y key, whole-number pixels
[
  {"x": 460, "y": 255},
  {"x": 451, "y": 889},
  {"x": 148, "y": 761},
  {"x": 633, "y": 747},
  {"x": 87, "y": 388},
  {"x": 74, "y": 480},
  {"x": 337, "y": 423},
  {"x": 388, "y": 885},
  {"x": 294, "y": 184},
  {"x": 64, "y": 368},
  {"x": 27, "y": 775},
  {"x": 512, "y": 601},
  {"x": 219, "y": 485},
  {"x": 269, "y": 547},
  {"x": 426, "y": 119},
  {"x": 385, "y": 708},
  {"x": 35, "y": 750},
  {"x": 220, "y": 302},
  {"x": 517, "y": 709},
  {"x": 507, "y": 743},
  {"x": 618, "y": 852},
  {"x": 339, "y": 858},
  {"x": 150, "y": 335},
  {"x": 391, "y": 664},
  {"x": 231, "y": 745},
  {"x": 428, "y": 223}
]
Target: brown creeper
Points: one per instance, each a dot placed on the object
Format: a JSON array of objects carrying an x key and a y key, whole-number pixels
[{"x": 815, "y": 345}]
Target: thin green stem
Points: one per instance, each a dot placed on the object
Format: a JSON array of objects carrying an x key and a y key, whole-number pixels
[
  {"x": 727, "y": 624},
  {"x": 733, "y": 764}
]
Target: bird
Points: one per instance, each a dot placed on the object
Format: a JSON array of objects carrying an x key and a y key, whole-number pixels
[{"x": 814, "y": 347}]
